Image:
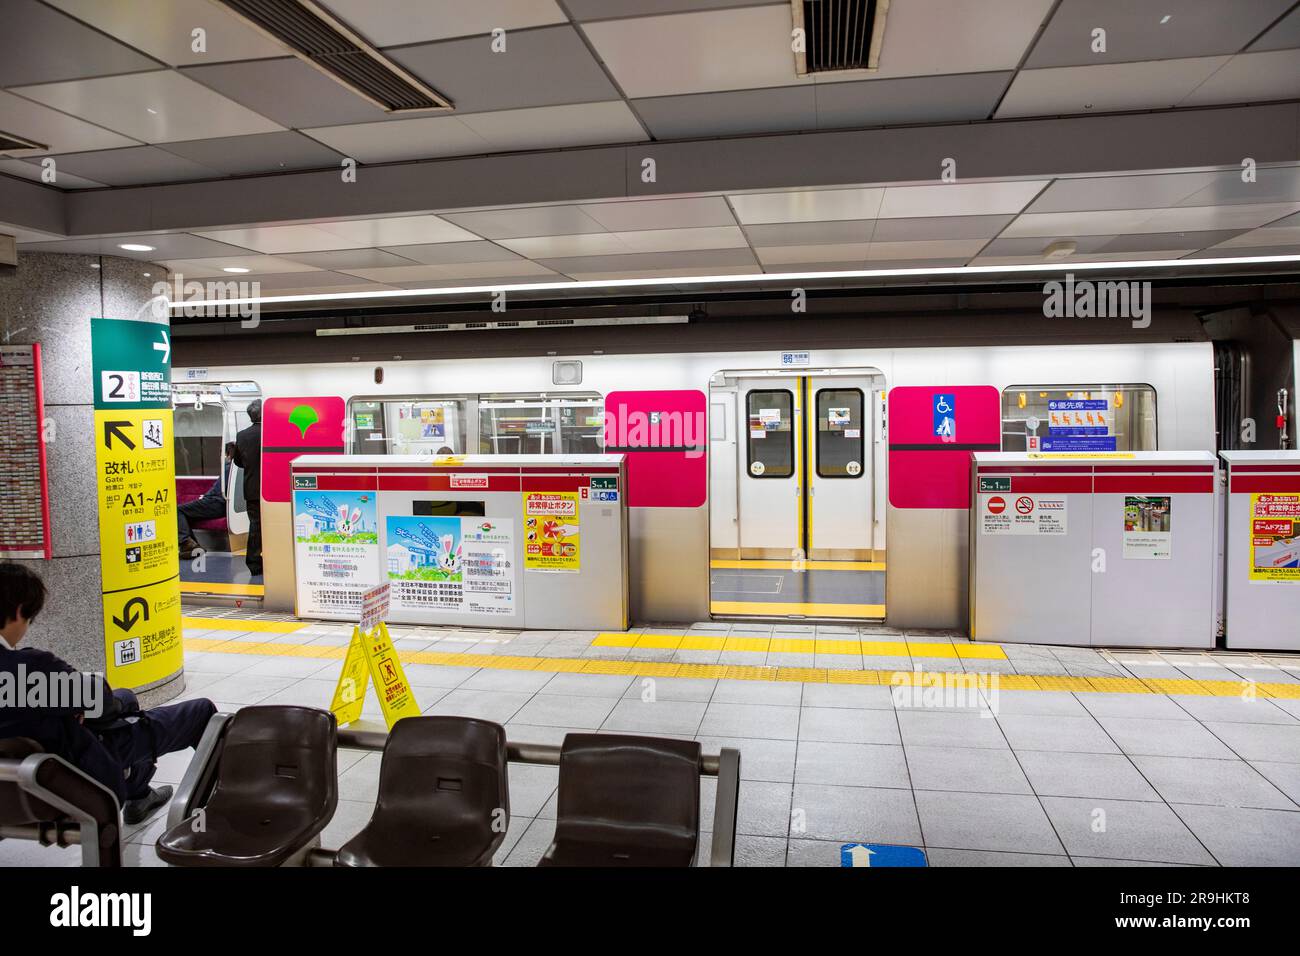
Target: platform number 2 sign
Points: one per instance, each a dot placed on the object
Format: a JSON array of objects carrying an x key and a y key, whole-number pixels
[{"x": 120, "y": 386}]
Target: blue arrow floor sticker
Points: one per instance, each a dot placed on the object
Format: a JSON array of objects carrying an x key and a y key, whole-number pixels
[{"x": 881, "y": 854}]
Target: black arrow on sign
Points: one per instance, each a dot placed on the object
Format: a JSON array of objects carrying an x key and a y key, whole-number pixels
[
  {"x": 115, "y": 428},
  {"x": 128, "y": 621}
]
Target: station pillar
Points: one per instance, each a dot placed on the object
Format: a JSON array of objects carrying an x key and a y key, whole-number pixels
[{"x": 57, "y": 301}]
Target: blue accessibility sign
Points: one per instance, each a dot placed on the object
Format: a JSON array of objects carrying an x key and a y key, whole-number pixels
[
  {"x": 945, "y": 417},
  {"x": 881, "y": 854}
]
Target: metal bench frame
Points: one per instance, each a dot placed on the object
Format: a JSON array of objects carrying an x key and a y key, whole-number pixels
[
  {"x": 200, "y": 778},
  {"x": 81, "y": 829}
]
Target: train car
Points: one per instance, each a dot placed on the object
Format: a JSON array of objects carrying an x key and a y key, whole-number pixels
[{"x": 830, "y": 483}]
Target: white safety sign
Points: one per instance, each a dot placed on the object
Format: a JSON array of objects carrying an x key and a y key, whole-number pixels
[{"x": 1008, "y": 513}]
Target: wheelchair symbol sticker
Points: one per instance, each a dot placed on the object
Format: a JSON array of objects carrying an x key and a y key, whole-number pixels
[
  {"x": 853, "y": 468},
  {"x": 945, "y": 417},
  {"x": 756, "y": 468}
]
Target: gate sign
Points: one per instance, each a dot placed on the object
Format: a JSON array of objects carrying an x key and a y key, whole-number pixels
[
  {"x": 136, "y": 491},
  {"x": 881, "y": 854},
  {"x": 945, "y": 417}
]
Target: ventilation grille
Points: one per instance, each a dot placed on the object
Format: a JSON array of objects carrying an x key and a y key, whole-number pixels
[
  {"x": 839, "y": 34},
  {"x": 9, "y": 142},
  {"x": 507, "y": 324},
  {"x": 332, "y": 47}
]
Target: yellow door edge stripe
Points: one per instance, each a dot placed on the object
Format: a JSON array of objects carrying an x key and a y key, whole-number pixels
[
  {"x": 785, "y": 608},
  {"x": 819, "y": 565},
  {"x": 219, "y": 587},
  {"x": 984, "y": 683}
]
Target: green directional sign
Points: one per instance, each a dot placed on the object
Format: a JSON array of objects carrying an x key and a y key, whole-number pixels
[
  {"x": 995, "y": 484},
  {"x": 132, "y": 364}
]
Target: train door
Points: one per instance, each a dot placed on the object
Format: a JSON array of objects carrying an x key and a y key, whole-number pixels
[{"x": 801, "y": 534}]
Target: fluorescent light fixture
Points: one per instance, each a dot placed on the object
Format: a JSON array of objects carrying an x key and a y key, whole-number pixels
[
  {"x": 239, "y": 269},
  {"x": 135, "y": 247},
  {"x": 954, "y": 272}
]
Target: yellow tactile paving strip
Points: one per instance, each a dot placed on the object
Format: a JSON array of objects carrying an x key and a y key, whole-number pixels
[
  {"x": 807, "y": 675},
  {"x": 243, "y": 625},
  {"x": 799, "y": 645}
]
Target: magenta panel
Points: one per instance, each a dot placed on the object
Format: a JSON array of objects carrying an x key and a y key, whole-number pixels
[
  {"x": 929, "y": 458},
  {"x": 665, "y": 436},
  {"x": 301, "y": 425}
]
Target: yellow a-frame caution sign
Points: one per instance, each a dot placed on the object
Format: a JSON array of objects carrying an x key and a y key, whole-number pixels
[{"x": 371, "y": 656}]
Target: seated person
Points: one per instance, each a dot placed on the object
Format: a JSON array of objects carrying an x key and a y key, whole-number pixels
[
  {"x": 211, "y": 505},
  {"x": 103, "y": 732}
]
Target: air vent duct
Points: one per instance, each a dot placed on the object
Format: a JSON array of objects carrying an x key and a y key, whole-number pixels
[
  {"x": 10, "y": 143},
  {"x": 331, "y": 46},
  {"x": 839, "y": 35}
]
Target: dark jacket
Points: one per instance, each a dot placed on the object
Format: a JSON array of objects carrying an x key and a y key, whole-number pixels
[
  {"x": 248, "y": 456},
  {"x": 57, "y": 729}
]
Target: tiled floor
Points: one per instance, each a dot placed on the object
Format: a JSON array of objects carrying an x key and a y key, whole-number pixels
[{"x": 1020, "y": 777}]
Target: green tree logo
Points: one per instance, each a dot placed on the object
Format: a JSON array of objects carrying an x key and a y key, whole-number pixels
[{"x": 303, "y": 416}]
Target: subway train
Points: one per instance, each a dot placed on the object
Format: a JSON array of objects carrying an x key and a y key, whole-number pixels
[{"x": 827, "y": 482}]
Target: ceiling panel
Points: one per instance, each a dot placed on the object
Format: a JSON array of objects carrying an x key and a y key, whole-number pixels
[
  {"x": 927, "y": 37},
  {"x": 1140, "y": 31},
  {"x": 42, "y": 45},
  {"x": 442, "y": 253},
  {"x": 32, "y": 171},
  {"x": 306, "y": 283},
  {"x": 290, "y": 92},
  {"x": 416, "y": 21},
  {"x": 611, "y": 9},
  {"x": 705, "y": 259},
  {"x": 810, "y": 233},
  {"x": 819, "y": 252},
  {"x": 1240, "y": 216},
  {"x": 1106, "y": 88},
  {"x": 134, "y": 166},
  {"x": 1251, "y": 78},
  {"x": 258, "y": 153},
  {"x": 933, "y": 249},
  {"x": 1144, "y": 242},
  {"x": 958, "y": 199},
  {"x": 493, "y": 282},
  {"x": 682, "y": 272},
  {"x": 698, "y": 52},
  {"x": 1071, "y": 224},
  {"x": 1269, "y": 184},
  {"x": 397, "y": 231},
  {"x": 923, "y": 99},
  {"x": 671, "y": 240},
  {"x": 1284, "y": 35},
  {"x": 814, "y": 205},
  {"x": 1034, "y": 247},
  {"x": 522, "y": 223},
  {"x": 349, "y": 259},
  {"x": 60, "y": 132},
  {"x": 563, "y": 247},
  {"x": 1253, "y": 251},
  {"x": 277, "y": 239},
  {"x": 539, "y": 67},
  {"x": 775, "y": 110},
  {"x": 1267, "y": 236},
  {"x": 426, "y": 137},
  {"x": 163, "y": 28},
  {"x": 1120, "y": 192},
  {"x": 451, "y": 270},
  {"x": 165, "y": 246},
  {"x": 661, "y": 213},
  {"x": 158, "y": 107},
  {"x": 939, "y": 227},
  {"x": 1090, "y": 257},
  {"x": 548, "y": 127},
  {"x": 212, "y": 267}
]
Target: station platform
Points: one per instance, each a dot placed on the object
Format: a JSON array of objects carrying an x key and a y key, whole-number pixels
[{"x": 977, "y": 754}]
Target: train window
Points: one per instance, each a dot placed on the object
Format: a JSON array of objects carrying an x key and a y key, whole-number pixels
[
  {"x": 571, "y": 423},
  {"x": 770, "y": 436},
  {"x": 409, "y": 426},
  {"x": 1080, "y": 418},
  {"x": 839, "y": 433},
  {"x": 198, "y": 438}
]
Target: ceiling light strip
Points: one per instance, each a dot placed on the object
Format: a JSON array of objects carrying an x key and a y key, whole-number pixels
[{"x": 762, "y": 278}]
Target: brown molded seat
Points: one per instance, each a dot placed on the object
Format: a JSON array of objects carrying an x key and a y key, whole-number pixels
[
  {"x": 276, "y": 789},
  {"x": 627, "y": 801},
  {"x": 444, "y": 796},
  {"x": 16, "y": 806}
]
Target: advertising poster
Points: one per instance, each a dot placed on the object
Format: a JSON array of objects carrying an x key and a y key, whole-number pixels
[
  {"x": 336, "y": 550},
  {"x": 1007, "y": 513},
  {"x": 1147, "y": 531},
  {"x": 463, "y": 565},
  {"x": 136, "y": 491},
  {"x": 551, "y": 538},
  {"x": 1275, "y": 537}
]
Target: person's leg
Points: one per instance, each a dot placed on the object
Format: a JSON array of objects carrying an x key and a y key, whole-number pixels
[
  {"x": 183, "y": 530},
  {"x": 253, "y": 552},
  {"x": 157, "y": 732}
]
